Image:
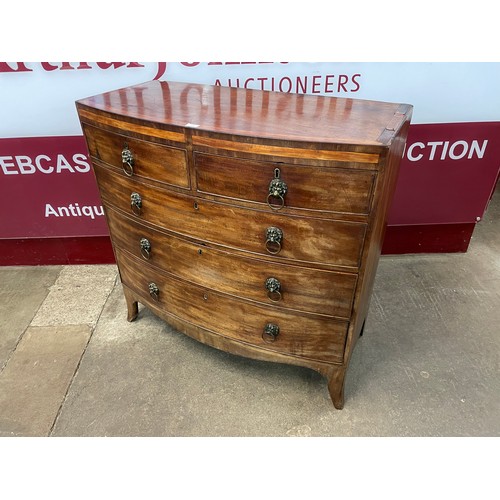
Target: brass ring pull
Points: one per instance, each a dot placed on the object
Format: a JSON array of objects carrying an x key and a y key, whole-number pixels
[
  {"x": 274, "y": 237},
  {"x": 271, "y": 331},
  {"x": 154, "y": 291},
  {"x": 127, "y": 161},
  {"x": 273, "y": 287},
  {"x": 136, "y": 203},
  {"x": 277, "y": 190},
  {"x": 273, "y": 196},
  {"x": 145, "y": 248}
]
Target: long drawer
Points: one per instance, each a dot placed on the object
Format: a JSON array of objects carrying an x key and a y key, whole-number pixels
[
  {"x": 304, "y": 239},
  {"x": 304, "y": 289},
  {"x": 149, "y": 160},
  {"x": 308, "y": 336},
  {"x": 315, "y": 188}
]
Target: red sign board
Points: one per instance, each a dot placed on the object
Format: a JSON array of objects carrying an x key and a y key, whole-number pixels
[
  {"x": 447, "y": 174},
  {"x": 48, "y": 189}
]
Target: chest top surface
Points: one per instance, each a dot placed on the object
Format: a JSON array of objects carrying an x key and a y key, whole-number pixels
[{"x": 256, "y": 113}]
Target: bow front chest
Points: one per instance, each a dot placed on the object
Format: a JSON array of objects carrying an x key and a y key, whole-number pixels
[{"x": 249, "y": 220}]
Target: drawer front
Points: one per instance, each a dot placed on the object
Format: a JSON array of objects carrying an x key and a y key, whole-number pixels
[
  {"x": 305, "y": 336},
  {"x": 315, "y": 188},
  {"x": 302, "y": 289},
  {"x": 148, "y": 160},
  {"x": 304, "y": 239}
]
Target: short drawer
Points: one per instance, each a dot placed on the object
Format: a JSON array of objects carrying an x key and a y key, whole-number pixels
[
  {"x": 290, "y": 287},
  {"x": 138, "y": 158},
  {"x": 330, "y": 189},
  {"x": 304, "y": 239},
  {"x": 311, "y": 337}
]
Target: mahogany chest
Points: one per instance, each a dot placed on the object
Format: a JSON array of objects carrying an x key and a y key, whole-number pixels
[{"x": 249, "y": 220}]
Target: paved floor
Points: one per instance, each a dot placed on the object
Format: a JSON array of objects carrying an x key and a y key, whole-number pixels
[{"x": 427, "y": 365}]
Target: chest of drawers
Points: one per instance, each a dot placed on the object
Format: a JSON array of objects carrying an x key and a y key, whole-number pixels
[{"x": 249, "y": 220}]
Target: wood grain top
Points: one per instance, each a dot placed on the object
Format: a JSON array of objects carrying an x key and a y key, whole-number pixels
[{"x": 256, "y": 113}]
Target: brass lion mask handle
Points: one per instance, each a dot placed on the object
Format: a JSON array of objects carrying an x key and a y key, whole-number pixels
[
  {"x": 273, "y": 287},
  {"x": 136, "y": 203},
  {"x": 277, "y": 191},
  {"x": 270, "y": 333},
  {"x": 154, "y": 291},
  {"x": 127, "y": 161},
  {"x": 145, "y": 248},
  {"x": 274, "y": 238}
]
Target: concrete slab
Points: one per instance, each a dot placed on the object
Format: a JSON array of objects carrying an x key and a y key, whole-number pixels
[
  {"x": 408, "y": 377},
  {"x": 22, "y": 291},
  {"x": 78, "y": 295},
  {"x": 37, "y": 376}
]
